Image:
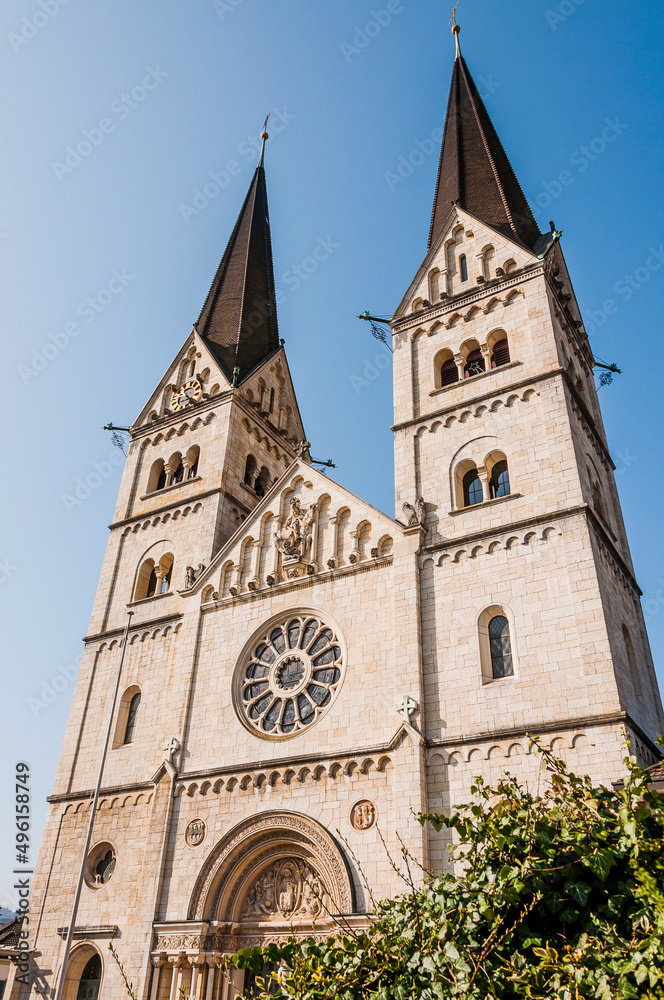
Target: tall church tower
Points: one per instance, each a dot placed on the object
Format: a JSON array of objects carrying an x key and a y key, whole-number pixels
[
  {"x": 304, "y": 672},
  {"x": 531, "y": 619}
]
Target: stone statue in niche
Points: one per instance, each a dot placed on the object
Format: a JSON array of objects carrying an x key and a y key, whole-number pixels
[
  {"x": 288, "y": 889},
  {"x": 294, "y": 539}
]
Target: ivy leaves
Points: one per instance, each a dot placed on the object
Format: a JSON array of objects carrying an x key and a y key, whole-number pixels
[{"x": 553, "y": 896}]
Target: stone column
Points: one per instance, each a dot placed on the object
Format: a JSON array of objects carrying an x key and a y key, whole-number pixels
[
  {"x": 332, "y": 560},
  {"x": 460, "y": 362},
  {"x": 196, "y": 962},
  {"x": 483, "y": 473},
  {"x": 156, "y": 975},
  {"x": 209, "y": 992},
  {"x": 176, "y": 979}
]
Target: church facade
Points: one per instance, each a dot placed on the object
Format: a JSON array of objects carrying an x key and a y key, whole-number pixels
[{"x": 303, "y": 671}]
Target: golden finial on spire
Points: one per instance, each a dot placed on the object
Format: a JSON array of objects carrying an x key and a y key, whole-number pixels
[
  {"x": 455, "y": 30},
  {"x": 264, "y": 137}
]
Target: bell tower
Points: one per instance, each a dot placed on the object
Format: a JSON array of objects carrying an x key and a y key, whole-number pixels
[
  {"x": 222, "y": 426},
  {"x": 531, "y": 616}
]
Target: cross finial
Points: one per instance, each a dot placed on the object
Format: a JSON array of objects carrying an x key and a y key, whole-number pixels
[
  {"x": 455, "y": 29},
  {"x": 264, "y": 137}
]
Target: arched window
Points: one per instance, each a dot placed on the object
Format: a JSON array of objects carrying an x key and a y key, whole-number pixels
[
  {"x": 90, "y": 981},
  {"x": 178, "y": 473},
  {"x": 157, "y": 477},
  {"x": 165, "y": 573},
  {"x": 500, "y": 647},
  {"x": 132, "y": 716},
  {"x": 463, "y": 267},
  {"x": 449, "y": 373},
  {"x": 192, "y": 461},
  {"x": 499, "y": 484},
  {"x": 472, "y": 488},
  {"x": 271, "y": 401},
  {"x": 474, "y": 364},
  {"x": 154, "y": 578},
  {"x": 500, "y": 354},
  {"x": 262, "y": 483},
  {"x": 250, "y": 471}
]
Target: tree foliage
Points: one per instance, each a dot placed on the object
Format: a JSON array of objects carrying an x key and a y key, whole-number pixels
[{"x": 558, "y": 895}]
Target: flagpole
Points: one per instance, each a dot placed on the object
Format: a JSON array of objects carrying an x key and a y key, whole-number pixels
[{"x": 88, "y": 839}]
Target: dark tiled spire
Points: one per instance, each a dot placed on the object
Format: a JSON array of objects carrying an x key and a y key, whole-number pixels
[
  {"x": 239, "y": 318},
  {"x": 474, "y": 169}
]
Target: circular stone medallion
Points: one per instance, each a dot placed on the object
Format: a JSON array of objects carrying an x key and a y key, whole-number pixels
[
  {"x": 195, "y": 833},
  {"x": 363, "y": 815}
]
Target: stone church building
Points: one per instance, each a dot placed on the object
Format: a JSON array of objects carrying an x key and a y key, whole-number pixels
[{"x": 302, "y": 670}]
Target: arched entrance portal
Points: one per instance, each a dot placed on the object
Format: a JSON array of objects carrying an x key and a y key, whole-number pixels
[
  {"x": 272, "y": 876},
  {"x": 273, "y": 869}
]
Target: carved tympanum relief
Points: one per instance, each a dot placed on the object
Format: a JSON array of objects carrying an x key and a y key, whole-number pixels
[
  {"x": 289, "y": 889},
  {"x": 289, "y": 676}
]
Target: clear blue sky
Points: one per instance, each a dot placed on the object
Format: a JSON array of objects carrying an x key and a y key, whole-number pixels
[{"x": 349, "y": 105}]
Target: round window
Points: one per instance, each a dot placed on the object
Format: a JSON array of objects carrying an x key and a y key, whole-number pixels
[
  {"x": 100, "y": 865},
  {"x": 288, "y": 675}
]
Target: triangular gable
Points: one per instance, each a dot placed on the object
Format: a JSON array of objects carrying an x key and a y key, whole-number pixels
[
  {"x": 436, "y": 258},
  {"x": 205, "y": 362},
  {"x": 274, "y": 373},
  {"x": 253, "y": 559}
]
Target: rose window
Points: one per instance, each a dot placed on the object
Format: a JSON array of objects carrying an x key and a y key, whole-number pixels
[{"x": 289, "y": 676}]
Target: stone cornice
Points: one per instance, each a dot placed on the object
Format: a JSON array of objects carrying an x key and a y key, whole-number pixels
[
  {"x": 537, "y": 519},
  {"x": 137, "y": 627},
  {"x": 554, "y": 725},
  {"x": 454, "y": 305},
  {"x": 473, "y": 400},
  {"x": 182, "y": 502}
]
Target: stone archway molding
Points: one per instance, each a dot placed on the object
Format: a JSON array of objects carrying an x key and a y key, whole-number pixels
[{"x": 256, "y": 840}]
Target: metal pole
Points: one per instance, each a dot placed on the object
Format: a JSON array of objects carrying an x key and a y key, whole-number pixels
[{"x": 74, "y": 912}]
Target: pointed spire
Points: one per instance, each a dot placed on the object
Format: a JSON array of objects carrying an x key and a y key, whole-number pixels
[
  {"x": 239, "y": 318},
  {"x": 474, "y": 170}
]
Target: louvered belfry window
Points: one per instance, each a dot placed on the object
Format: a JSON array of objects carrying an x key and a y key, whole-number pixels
[
  {"x": 474, "y": 364},
  {"x": 449, "y": 373},
  {"x": 501, "y": 354}
]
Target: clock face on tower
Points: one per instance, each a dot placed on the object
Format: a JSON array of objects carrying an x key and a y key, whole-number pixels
[{"x": 188, "y": 393}]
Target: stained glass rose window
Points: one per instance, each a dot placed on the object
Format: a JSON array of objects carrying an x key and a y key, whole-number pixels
[{"x": 289, "y": 676}]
